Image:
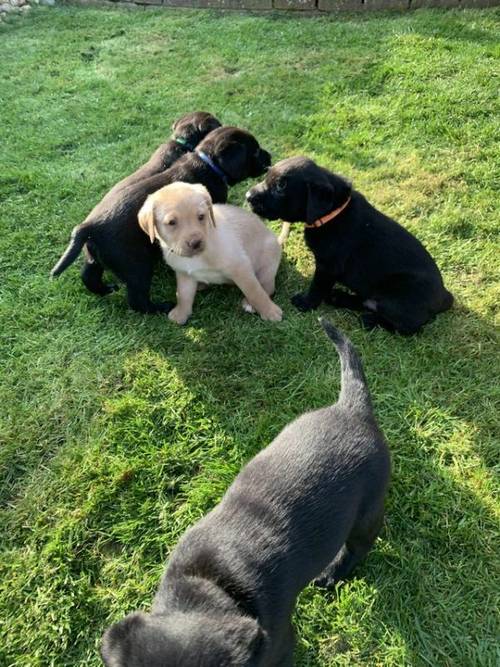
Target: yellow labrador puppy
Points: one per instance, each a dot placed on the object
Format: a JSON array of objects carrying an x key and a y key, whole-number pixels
[{"x": 212, "y": 244}]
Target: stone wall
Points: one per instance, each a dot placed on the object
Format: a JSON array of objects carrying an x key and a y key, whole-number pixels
[
  {"x": 11, "y": 7},
  {"x": 310, "y": 6}
]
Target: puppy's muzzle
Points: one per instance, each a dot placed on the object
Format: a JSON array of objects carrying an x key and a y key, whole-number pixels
[
  {"x": 251, "y": 196},
  {"x": 194, "y": 246},
  {"x": 264, "y": 159},
  {"x": 256, "y": 199},
  {"x": 261, "y": 162}
]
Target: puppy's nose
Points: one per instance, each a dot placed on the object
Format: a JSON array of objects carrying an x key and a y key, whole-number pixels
[
  {"x": 250, "y": 195},
  {"x": 265, "y": 158},
  {"x": 194, "y": 243}
]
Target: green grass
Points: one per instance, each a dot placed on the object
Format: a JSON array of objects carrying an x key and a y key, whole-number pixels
[{"x": 119, "y": 431}]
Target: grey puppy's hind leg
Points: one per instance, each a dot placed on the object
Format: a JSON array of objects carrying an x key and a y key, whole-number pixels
[{"x": 357, "y": 545}]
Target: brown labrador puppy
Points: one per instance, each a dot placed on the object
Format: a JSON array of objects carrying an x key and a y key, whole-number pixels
[{"x": 187, "y": 132}]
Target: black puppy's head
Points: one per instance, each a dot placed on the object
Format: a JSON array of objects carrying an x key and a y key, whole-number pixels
[
  {"x": 181, "y": 640},
  {"x": 236, "y": 152},
  {"x": 193, "y": 127},
  {"x": 298, "y": 190}
]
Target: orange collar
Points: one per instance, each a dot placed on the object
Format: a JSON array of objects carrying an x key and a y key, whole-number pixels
[{"x": 326, "y": 218}]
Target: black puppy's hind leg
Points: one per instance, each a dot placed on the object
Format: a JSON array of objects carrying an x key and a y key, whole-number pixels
[
  {"x": 340, "y": 299},
  {"x": 138, "y": 292},
  {"x": 371, "y": 320},
  {"x": 358, "y": 544},
  {"x": 394, "y": 320},
  {"x": 91, "y": 274}
]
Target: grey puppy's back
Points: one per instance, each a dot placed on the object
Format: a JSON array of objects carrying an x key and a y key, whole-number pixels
[{"x": 313, "y": 475}]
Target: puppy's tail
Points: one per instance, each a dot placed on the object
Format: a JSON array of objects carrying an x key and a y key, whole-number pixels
[
  {"x": 79, "y": 236},
  {"x": 353, "y": 388},
  {"x": 284, "y": 234}
]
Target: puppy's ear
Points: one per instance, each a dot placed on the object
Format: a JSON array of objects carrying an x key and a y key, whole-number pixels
[
  {"x": 320, "y": 201},
  {"x": 212, "y": 124},
  {"x": 233, "y": 162},
  {"x": 119, "y": 639},
  {"x": 248, "y": 637},
  {"x": 209, "y": 123},
  {"x": 211, "y": 214},
  {"x": 146, "y": 219}
]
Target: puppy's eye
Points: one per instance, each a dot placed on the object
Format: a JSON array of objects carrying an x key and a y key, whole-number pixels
[
  {"x": 201, "y": 217},
  {"x": 279, "y": 186},
  {"x": 172, "y": 222}
]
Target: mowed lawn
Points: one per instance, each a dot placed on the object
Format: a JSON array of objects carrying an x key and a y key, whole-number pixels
[{"x": 119, "y": 431}]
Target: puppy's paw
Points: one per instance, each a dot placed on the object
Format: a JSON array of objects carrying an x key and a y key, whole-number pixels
[
  {"x": 247, "y": 307},
  {"x": 326, "y": 581},
  {"x": 178, "y": 316},
  {"x": 369, "y": 321},
  {"x": 303, "y": 303},
  {"x": 104, "y": 289},
  {"x": 337, "y": 298},
  {"x": 110, "y": 288},
  {"x": 272, "y": 314}
]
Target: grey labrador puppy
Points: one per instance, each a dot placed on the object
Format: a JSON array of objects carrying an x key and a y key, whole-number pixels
[{"x": 308, "y": 506}]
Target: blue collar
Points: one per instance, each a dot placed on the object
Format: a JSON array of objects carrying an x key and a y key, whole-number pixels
[{"x": 208, "y": 161}]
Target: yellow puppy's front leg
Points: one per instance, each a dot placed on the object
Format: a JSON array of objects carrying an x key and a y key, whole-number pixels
[
  {"x": 255, "y": 294},
  {"x": 186, "y": 290}
]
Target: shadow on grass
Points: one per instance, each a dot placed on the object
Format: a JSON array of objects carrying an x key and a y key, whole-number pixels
[
  {"x": 196, "y": 402},
  {"x": 457, "y": 30},
  {"x": 432, "y": 565}
]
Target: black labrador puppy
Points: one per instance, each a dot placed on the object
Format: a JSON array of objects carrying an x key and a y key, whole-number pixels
[
  {"x": 187, "y": 132},
  {"x": 308, "y": 506},
  {"x": 394, "y": 280},
  {"x": 111, "y": 236}
]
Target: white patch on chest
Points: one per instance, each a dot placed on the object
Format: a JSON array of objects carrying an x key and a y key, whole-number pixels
[{"x": 197, "y": 268}]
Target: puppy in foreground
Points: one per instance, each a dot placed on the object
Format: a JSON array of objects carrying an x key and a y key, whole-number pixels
[
  {"x": 111, "y": 237},
  {"x": 212, "y": 244},
  {"x": 307, "y": 507},
  {"x": 187, "y": 132},
  {"x": 393, "y": 279}
]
